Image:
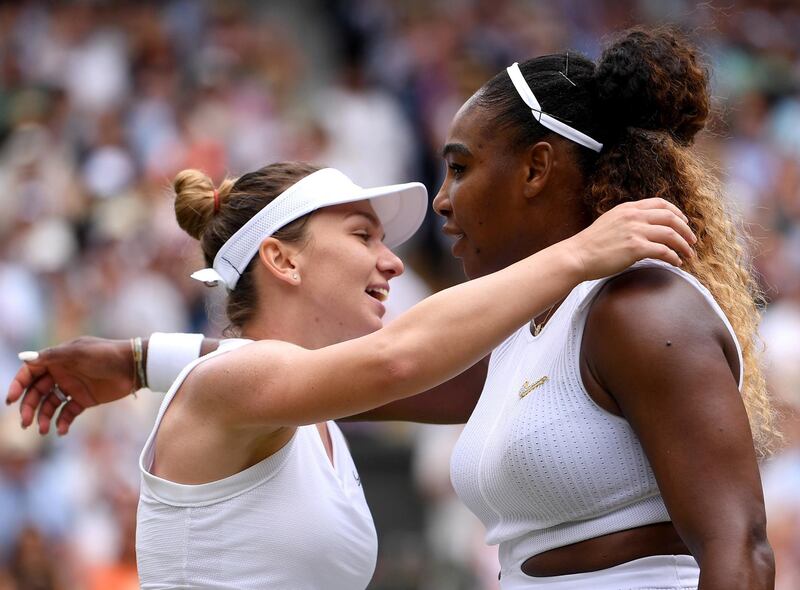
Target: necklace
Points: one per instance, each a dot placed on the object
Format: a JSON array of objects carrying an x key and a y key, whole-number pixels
[{"x": 537, "y": 328}]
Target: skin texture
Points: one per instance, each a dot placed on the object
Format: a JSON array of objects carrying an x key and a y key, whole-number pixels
[
  {"x": 506, "y": 203},
  {"x": 324, "y": 277},
  {"x": 675, "y": 380},
  {"x": 211, "y": 430},
  {"x": 327, "y": 302},
  {"x": 682, "y": 400},
  {"x": 719, "y": 517},
  {"x": 540, "y": 207}
]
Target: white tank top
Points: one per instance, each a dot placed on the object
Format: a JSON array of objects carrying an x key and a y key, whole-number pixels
[
  {"x": 294, "y": 521},
  {"x": 539, "y": 462}
]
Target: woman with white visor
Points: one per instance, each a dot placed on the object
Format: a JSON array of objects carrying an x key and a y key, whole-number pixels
[{"x": 246, "y": 481}]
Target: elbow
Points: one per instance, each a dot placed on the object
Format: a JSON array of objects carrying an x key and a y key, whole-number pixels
[
  {"x": 760, "y": 549},
  {"x": 397, "y": 369},
  {"x": 746, "y": 557},
  {"x": 762, "y": 556}
]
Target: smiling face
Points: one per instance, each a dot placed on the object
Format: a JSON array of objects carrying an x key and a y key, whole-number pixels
[
  {"x": 503, "y": 202},
  {"x": 345, "y": 270}
]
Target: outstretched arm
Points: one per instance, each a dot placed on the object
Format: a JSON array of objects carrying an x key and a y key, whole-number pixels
[
  {"x": 95, "y": 371},
  {"x": 435, "y": 340},
  {"x": 91, "y": 371},
  {"x": 657, "y": 348}
]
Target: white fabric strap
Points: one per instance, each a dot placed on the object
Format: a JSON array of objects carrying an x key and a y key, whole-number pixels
[
  {"x": 546, "y": 120},
  {"x": 167, "y": 355}
]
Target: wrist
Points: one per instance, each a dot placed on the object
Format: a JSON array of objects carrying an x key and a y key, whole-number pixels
[
  {"x": 570, "y": 260},
  {"x": 139, "y": 374}
]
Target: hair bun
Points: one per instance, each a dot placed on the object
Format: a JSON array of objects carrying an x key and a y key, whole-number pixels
[
  {"x": 653, "y": 79},
  {"x": 195, "y": 201}
]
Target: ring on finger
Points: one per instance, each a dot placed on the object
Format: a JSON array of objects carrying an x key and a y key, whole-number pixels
[{"x": 60, "y": 395}]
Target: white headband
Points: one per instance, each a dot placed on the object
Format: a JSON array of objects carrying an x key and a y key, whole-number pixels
[
  {"x": 548, "y": 121},
  {"x": 400, "y": 217}
]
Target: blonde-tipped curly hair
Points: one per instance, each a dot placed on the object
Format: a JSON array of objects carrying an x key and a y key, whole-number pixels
[{"x": 654, "y": 164}]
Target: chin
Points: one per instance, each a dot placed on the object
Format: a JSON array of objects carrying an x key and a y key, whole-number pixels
[
  {"x": 375, "y": 324},
  {"x": 472, "y": 270}
]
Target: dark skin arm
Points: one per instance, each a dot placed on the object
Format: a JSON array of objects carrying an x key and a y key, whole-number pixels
[
  {"x": 95, "y": 371},
  {"x": 656, "y": 353},
  {"x": 452, "y": 402}
]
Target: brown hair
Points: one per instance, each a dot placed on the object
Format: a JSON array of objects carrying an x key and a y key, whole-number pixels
[
  {"x": 239, "y": 200},
  {"x": 645, "y": 100}
]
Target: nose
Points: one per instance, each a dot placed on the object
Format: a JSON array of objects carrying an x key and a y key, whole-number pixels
[
  {"x": 389, "y": 264},
  {"x": 441, "y": 203}
]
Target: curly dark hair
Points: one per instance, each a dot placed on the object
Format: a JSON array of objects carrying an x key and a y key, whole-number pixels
[{"x": 645, "y": 100}]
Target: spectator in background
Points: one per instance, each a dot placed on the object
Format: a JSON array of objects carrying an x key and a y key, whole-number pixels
[{"x": 180, "y": 78}]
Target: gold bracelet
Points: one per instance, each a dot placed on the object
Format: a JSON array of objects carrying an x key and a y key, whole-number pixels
[{"x": 138, "y": 364}]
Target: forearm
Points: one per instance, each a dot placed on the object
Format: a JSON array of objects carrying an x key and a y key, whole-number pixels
[
  {"x": 432, "y": 342},
  {"x": 452, "y": 402},
  {"x": 453, "y": 329},
  {"x": 743, "y": 566}
]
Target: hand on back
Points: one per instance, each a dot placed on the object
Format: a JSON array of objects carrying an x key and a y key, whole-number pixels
[{"x": 89, "y": 371}]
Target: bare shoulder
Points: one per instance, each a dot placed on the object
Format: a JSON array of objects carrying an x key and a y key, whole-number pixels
[
  {"x": 653, "y": 299},
  {"x": 222, "y": 383},
  {"x": 652, "y": 320}
]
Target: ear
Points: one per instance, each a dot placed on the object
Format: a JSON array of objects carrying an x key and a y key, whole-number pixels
[
  {"x": 538, "y": 160},
  {"x": 279, "y": 259}
]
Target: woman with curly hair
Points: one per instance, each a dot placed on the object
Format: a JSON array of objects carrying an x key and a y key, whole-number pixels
[{"x": 613, "y": 441}]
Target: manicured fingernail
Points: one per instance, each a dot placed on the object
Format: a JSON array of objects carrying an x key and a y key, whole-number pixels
[{"x": 28, "y": 355}]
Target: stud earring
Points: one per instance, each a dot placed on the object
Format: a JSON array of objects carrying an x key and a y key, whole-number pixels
[{"x": 295, "y": 276}]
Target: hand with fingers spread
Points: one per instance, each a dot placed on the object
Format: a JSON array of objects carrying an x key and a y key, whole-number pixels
[
  {"x": 69, "y": 378},
  {"x": 650, "y": 228}
]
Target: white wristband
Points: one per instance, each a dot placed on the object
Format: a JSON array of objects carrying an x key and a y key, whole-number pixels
[{"x": 167, "y": 355}]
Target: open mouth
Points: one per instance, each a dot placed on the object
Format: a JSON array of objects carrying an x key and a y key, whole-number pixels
[{"x": 378, "y": 293}]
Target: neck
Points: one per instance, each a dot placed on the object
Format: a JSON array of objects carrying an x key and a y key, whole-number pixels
[
  {"x": 564, "y": 227},
  {"x": 299, "y": 329}
]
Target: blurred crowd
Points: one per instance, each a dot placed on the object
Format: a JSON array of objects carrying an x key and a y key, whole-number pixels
[{"x": 101, "y": 102}]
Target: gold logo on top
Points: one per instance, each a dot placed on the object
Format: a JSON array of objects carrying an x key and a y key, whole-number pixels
[{"x": 527, "y": 387}]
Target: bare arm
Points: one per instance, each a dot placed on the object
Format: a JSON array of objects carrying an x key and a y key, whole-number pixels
[
  {"x": 452, "y": 402},
  {"x": 668, "y": 361},
  {"x": 434, "y": 341},
  {"x": 94, "y": 371}
]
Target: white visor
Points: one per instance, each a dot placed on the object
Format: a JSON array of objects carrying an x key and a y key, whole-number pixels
[{"x": 401, "y": 216}]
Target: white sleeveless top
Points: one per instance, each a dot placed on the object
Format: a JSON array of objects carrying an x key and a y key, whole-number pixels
[
  {"x": 293, "y": 521},
  {"x": 540, "y": 463}
]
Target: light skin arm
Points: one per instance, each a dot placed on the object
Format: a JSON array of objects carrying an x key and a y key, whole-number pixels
[
  {"x": 96, "y": 371},
  {"x": 431, "y": 343},
  {"x": 470, "y": 385},
  {"x": 657, "y": 348}
]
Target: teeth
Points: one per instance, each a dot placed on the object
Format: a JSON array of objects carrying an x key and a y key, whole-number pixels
[{"x": 379, "y": 294}]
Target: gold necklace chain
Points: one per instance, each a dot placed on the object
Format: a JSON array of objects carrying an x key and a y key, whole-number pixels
[{"x": 537, "y": 328}]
